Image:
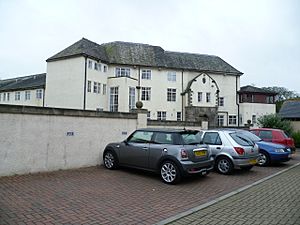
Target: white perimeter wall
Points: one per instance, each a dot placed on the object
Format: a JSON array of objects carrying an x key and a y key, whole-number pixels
[{"x": 37, "y": 143}]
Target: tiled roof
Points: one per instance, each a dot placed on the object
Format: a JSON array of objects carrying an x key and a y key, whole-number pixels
[
  {"x": 128, "y": 53},
  {"x": 290, "y": 109},
  {"x": 252, "y": 89},
  {"x": 21, "y": 83}
]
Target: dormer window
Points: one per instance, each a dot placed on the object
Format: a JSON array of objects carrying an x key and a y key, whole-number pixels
[{"x": 122, "y": 72}]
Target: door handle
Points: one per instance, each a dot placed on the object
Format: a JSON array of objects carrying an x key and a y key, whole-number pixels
[
  {"x": 218, "y": 148},
  {"x": 145, "y": 148}
]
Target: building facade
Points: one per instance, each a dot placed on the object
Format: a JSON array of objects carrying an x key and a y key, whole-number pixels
[{"x": 171, "y": 85}]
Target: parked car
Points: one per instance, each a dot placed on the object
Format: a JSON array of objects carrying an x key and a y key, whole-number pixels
[
  {"x": 276, "y": 136},
  {"x": 231, "y": 149},
  {"x": 171, "y": 153},
  {"x": 269, "y": 152}
]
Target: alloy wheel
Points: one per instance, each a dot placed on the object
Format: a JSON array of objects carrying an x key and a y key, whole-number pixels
[
  {"x": 224, "y": 165},
  {"x": 109, "y": 160},
  {"x": 168, "y": 172},
  {"x": 262, "y": 159}
]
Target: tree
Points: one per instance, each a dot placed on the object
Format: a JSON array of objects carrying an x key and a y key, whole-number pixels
[{"x": 275, "y": 121}]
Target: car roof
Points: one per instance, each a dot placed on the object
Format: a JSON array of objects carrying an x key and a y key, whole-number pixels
[
  {"x": 227, "y": 130},
  {"x": 169, "y": 130},
  {"x": 271, "y": 129}
]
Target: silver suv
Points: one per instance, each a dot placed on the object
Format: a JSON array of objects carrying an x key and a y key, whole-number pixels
[
  {"x": 171, "y": 153},
  {"x": 231, "y": 149}
]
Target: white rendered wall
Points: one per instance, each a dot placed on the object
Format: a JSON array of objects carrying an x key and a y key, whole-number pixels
[
  {"x": 65, "y": 83},
  {"x": 37, "y": 143},
  {"x": 33, "y": 101}
]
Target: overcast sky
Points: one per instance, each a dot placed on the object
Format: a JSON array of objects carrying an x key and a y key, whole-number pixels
[{"x": 261, "y": 38}]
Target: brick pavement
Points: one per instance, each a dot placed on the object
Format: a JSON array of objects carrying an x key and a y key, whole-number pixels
[
  {"x": 272, "y": 202},
  {"x": 99, "y": 196}
]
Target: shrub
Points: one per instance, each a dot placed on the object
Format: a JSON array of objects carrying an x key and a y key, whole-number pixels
[
  {"x": 275, "y": 121},
  {"x": 296, "y": 137}
]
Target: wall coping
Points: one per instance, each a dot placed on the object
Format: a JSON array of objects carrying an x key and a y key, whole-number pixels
[
  {"x": 172, "y": 123},
  {"x": 19, "y": 109}
]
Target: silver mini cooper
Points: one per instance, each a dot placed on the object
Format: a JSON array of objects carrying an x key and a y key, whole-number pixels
[{"x": 171, "y": 153}]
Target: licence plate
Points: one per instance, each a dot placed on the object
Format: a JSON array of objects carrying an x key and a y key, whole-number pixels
[
  {"x": 252, "y": 161},
  {"x": 200, "y": 153}
]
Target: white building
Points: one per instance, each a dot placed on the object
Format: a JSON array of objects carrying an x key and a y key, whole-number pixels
[{"x": 171, "y": 85}]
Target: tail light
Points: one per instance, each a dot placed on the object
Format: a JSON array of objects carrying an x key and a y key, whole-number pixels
[
  {"x": 183, "y": 154},
  {"x": 239, "y": 150}
]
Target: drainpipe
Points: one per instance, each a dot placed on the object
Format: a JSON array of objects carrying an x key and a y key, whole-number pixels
[
  {"x": 182, "y": 96},
  {"x": 84, "y": 86},
  {"x": 44, "y": 96},
  {"x": 237, "y": 101}
]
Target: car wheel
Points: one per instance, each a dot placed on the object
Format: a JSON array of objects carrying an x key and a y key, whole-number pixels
[
  {"x": 224, "y": 165},
  {"x": 263, "y": 159},
  {"x": 110, "y": 160},
  {"x": 246, "y": 168},
  {"x": 169, "y": 172}
]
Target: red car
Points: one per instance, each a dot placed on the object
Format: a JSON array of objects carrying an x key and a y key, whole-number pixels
[{"x": 276, "y": 136}]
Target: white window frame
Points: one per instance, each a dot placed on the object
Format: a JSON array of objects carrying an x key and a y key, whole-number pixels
[
  {"x": 220, "y": 120},
  {"x": 221, "y": 101},
  {"x": 105, "y": 68},
  {"x": 27, "y": 95},
  {"x": 104, "y": 87},
  {"x": 171, "y": 95},
  {"x": 8, "y": 96},
  {"x": 122, "y": 72},
  {"x": 146, "y": 94},
  {"x": 232, "y": 120},
  {"x": 114, "y": 99},
  {"x": 90, "y": 64},
  {"x": 89, "y": 86},
  {"x": 172, "y": 76},
  {"x": 146, "y": 74},
  {"x": 208, "y": 97},
  {"x": 131, "y": 98},
  {"x": 200, "y": 95},
  {"x": 39, "y": 94},
  {"x": 17, "y": 96},
  {"x": 97, "y": 88},
  {"x": 4, "y": 97},
  {"x": 161, "y": 115},
  {"x": 178, "y": 116}
]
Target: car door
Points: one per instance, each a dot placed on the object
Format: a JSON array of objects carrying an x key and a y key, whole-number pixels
[
  {"x": 213, "y": 140},
  {"x": 135, "y": 151}
]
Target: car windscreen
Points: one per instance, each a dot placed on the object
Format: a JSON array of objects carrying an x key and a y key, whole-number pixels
[
  {"x": 242, "y": 139},
  {"x": 191, "y": 137}
]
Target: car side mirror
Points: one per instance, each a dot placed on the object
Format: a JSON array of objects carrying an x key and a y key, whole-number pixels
[{"x": 125, "y": 142}]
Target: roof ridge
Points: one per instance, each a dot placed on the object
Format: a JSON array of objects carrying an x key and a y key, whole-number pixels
[
  {"x": 191, "y": 53},
  {"x": 23, "y": 76}
]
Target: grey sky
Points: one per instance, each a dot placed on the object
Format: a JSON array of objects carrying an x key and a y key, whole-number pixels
[{"x": 261, "y": 38}]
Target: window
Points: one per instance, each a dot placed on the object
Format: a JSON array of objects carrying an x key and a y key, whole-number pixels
[
  {"x": 232, "y": 120},
  {"x": 220, "y": 120},
  {"x": 148, "y": 115},
  {"x": 146, "y": 74},
  {"x": 164, "y": 138},
  {"x": 253, "y": 119},
  {"x": 146, "y": 93},
  {"x": 8, "y": 97},
  {"x": 39, "y": 94},
  {"x": 178, "y": 116},
  {"x": 199, "y": 96},
  {"x": 4, "y": 97},
  {"x": 140, "y": 137},
  {"x": 0, "y": 97},
  {"x": 265, "y": 134},
  {"x": 172, "y": 76},
  {"x": 96, "y": 67},
  {"x": 90, "y": 64},
  {"x": 270, "y": 99},
  {"x": 122, "y": 72},
  {"x": 241, "y": 119},
  {"x": 242, "y": 138},
  {"x": 114, "y": 94},
  {"x": 131, "y": 98},
  {"x": 221, "y": 101},
  {"x": 105, "y": 68},
  {"x": 208, "y": 97},
  {"x": 212, "y": 138},
  {"x": 104, "y": 89},
  {"x": 171, "y": 95},
  {"x": 161, "y": 115},
  {"x": 27, "y": 95},
  {"x": 17, "y": 96},
  {"x": 97, "y": 87},
  {"x": 89, "y": 88},
  {"x": 99, "y": 66}
]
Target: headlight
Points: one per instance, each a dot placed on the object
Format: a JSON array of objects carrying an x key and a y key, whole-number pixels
[
  {"x": 279, "y": 150},
  {"x": 288, "y": 149}
]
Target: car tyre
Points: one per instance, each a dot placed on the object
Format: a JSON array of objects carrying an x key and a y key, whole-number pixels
[
  {"x": 263, "y": 159},
  {"x": 224, "y": 165},
  {"x": 169, "y": 172},
  {"x": 110, "y": 160}
]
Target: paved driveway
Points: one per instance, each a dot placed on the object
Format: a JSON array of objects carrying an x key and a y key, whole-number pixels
[{"x": 99, "y": 196}]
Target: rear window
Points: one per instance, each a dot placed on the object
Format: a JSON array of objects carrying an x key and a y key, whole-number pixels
[
  {"x": 191, "y": 137},
  {"x": 241, "y": 139},
  {"x": 265, "y": 134}
]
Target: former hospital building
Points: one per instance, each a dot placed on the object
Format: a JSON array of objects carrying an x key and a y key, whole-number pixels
[{"x": 114, "y": 76}]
